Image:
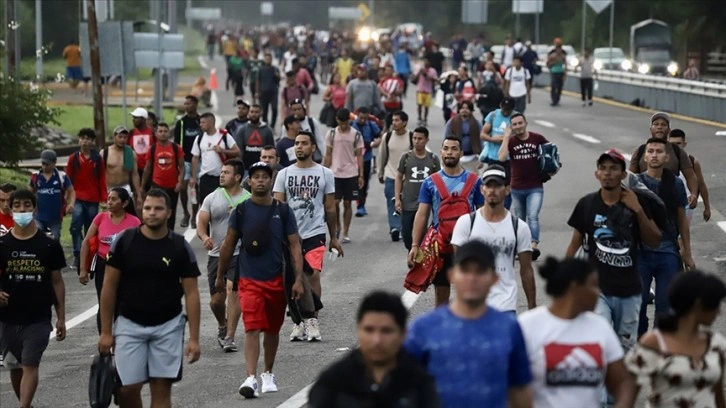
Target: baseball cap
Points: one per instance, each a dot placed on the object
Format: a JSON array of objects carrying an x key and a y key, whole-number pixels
[
  {"x": 508, "y": 102},
  {"x": 661, "y": 115},
  {"x": 241, "y": 101},
  {"x": 527, "y": 43},
  {"x": 343, "y": 114},
  {"x": 363, "y": 67},
  {"x": 614, "y": 155},
  {"x": 140, "y": 113},
  {"x": 120, "y": 129},
  {"x": 260, "y": 166},
  {"x": 494, "y": 172},
  {"x": 48, "y": 156},
  {"x": 477, "y": 251}
]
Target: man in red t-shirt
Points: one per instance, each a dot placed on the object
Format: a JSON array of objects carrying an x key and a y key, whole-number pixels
[
  {"x": 391, "y": 88},
  {"x": 527, "y": 185},
  {"x": 6, "y": 216},
  {"x": 165, "y": 168},
  {"x": 141, "y": 138}
]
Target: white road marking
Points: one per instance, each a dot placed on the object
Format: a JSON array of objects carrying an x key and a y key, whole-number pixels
[
  {"x": 78, "y": 320},
  {"x": 722, "y": 225},
  {"x": 297, "y": 400},
  {"x": 545, "y": 123},
  {"x": 721, "y": 133},
  {"x": 409, "y": 298},
  {"x": 202, "y": 62},
  {"x": 586, "y": 138},
  {"x": 75, "y": 321}
]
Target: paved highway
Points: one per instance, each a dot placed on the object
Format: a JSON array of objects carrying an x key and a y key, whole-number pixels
[{"x": 373, "y": 262}]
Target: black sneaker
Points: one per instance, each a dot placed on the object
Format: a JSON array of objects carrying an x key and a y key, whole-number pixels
[
  {"x": 535, "y": 253},
  {"x": 395, "y": 234},
  {"x": 184, "y": 222}
]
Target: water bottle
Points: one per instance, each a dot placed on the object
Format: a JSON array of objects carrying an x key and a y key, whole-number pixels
[
  {"x": 596, "y": 85},
  {"x": 192, "y": 192},
  {"x": 334, "y": 254}
]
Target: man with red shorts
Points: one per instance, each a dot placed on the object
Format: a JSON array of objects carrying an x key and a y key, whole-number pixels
[
  {"x": 310, "y": 190},
  {"x": 263, "y": 224}
]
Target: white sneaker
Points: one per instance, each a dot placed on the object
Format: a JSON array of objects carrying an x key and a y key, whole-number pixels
[
  {"x": 298, "y": 332},
  {"x": 268, "y": 382},
  {"x": 249, "y": 388},
  {"x": 312, "y": 330}
]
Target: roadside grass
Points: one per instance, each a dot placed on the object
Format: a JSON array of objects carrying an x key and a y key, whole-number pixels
[{"x": 74, "y": 117}]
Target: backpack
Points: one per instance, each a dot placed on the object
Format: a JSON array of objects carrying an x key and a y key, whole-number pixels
[
  {"x": 641, "y": 150},
  {"x": 62, "y": 175},
  {"x": 76, "y": 164},
  {"x": 515, "y": 226},
  {"x": 669, "y": 196},
  {"x": 175, "y": 147},
  {"x": 549, "y": 160},
  {"x": 388, "y": 136},
  {"x": 357, "y": 139},
  {"x": 223, "y": 139},
  {"x": 102, "y": 381},
  {"x": 451, "y": 207}
]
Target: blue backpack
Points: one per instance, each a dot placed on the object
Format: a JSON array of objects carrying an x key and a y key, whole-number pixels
[{"x": 549, "y": 160}]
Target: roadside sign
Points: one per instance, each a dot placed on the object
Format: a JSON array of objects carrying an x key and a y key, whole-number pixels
[
  {"x": 527, "y": 6},
  {"x": 267, "y": 8},
  {"x": 203, "y": 13},
  {"x": 344, "y": 13},
  {"x": 598, "y": 5},
  {"x": 474, "y": 11}
]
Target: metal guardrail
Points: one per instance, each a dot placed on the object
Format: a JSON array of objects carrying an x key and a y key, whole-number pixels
[{"x": 672, "y": 84}]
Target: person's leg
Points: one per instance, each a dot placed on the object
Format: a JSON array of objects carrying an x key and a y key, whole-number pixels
[
  {"x": 647, "y": 263},
  {"x": 233, "y": 309},
  {"x": 274, "y": 102},
  {"x": 55, "y": 229},
  {"x": 668, "y": 268},
  {"x": 130, "y": 396},
  {"x": 217, "y": 299},
  {"x": 28, "y": 385},
  {"x": 407, "y": 218},
  {"x": 419, "y": 109},
  {"x": 265, "y": 101},
  {"x": 553, "y": 88},
  {"x": 560, "y": 84},
  {"x": 347, "y": 216},
  {"x": 626, "y": 312},
  {"x": 519, "y": 204},
  {"x": 583, "y": 85},
  {"x": 160, "y": 392},
  {"x": 77, "y": 228},
  {"x": 16, "y": 377},
  {"x": 533, "y": 205},
  {"x": 389, "y": 190},
  {"x": 183, "y": 196},
  {"x": 174, "y": 202},
  {"x": 90, "y": 211},
  {"x": 270, "y": 343},
  {"x": 252, "y": 351},
  {"x": 363, "y": 193},
  {"x": 98, "y": 275}
]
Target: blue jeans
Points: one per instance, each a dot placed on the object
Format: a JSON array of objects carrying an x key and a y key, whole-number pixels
[
  {"x": 54, "y": 227},
  {"x": 526, "y": 205},
  {"x": 622, "y": 313},
  {"x": 663, "y": 267},
  {"x": 389, "y": 190},
  {"x": 83, "y": 214}
]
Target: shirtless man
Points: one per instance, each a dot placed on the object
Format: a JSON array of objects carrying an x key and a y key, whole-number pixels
[{"x": 120, "y": 162}]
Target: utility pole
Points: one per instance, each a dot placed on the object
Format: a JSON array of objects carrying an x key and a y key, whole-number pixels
[
  {"x": 16, "y": 31},
  {"x": 39, "y": 41},
  {"x": 372, "y": 9},
  {"x": 10, "y": 33},
  {"x": 173, "y": 73},
  {"x": 98, "y": 119},
  {"x": 584, "y": 23}
]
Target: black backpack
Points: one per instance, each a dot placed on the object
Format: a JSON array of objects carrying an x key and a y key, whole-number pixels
[
  {"x": 387, "y": 139},
  {"x": 102, "y": 381}
]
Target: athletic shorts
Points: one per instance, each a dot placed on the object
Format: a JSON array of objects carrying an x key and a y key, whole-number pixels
[
  {"x": 262, "y": 304},
  {"x": 424, "y": 99},
  {"x": 442, "y": 278},
  {"x": 144, "y": 352},
  {"x": 74, "y": 73},
  {"x": 313, "y": 250},
  {"x": 23, "y": 345},
  {"x": 230, "y": 275},
  {"x": 346, "y": 188}
]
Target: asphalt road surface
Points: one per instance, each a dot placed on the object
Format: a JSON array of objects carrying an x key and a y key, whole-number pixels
[{"x": 372, "y": 261}]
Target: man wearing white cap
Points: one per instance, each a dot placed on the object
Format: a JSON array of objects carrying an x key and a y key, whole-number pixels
[{"x": 141, "y": 138}]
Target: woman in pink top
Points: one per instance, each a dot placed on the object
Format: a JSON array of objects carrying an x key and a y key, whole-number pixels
[
  {"x": 335, "y": 94},
  {"x": 105, "y": 227}
]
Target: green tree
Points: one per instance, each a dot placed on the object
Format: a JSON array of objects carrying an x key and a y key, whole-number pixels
[{"x": 21, "y": 110}]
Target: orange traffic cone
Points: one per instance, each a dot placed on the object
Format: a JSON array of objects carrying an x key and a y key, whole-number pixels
[{"x": 213, "y": 85}]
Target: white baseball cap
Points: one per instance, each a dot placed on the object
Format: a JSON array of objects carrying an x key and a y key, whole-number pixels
[{"x": 140, "y": 113}]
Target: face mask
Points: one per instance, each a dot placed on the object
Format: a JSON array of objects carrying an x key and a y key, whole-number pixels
[{"x": 23, "y": 219}]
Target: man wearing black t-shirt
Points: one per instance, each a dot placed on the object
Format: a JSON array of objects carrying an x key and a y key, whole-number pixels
[
  {"x": 30, "y": 284},
  {"x": 148, "y": 270},
  {"x": 614, "y": 222},
  {"x": 186, "y": 131}
]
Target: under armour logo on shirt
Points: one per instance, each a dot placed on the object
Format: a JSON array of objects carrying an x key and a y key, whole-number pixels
[{"x": 415, "y": 173}]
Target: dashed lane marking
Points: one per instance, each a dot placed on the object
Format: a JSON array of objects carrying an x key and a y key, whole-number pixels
[
  {"x": 721, "y": 224},
  {"x": 544, "y": 123},
  {"x": 202, "y": 62},
  {"x": 586, "y": 138}
]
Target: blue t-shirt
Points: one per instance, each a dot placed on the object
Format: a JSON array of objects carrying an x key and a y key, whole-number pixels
[
  {"x": 369, "y": 130},
  {"x": 50, "y": 195},
  {"x": 499, "y": 123},
  {"x": 267, "y": 266},
  {"x": 669, "y": 238},
  {"x": 429, "y": 195},
  {"x": 474, "y": 361},
  {"x": 402, "y": 62}
]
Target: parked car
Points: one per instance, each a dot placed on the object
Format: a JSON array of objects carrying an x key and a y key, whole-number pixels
[{"x": 611, "y": 59}]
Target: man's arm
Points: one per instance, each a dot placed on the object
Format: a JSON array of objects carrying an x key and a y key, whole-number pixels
[
  {"x": 486, "y": 134},
  {"x": 331, "y": 219},
  {"x": 180, "y": 172},
  {"x": 520, "y": 396},
  {"x": 527, "y": 274},
  {"x": 692, "y": 182},
  {"x": 328, "y": 160},
  {"x": 226, "y": 252},
  {"x": 684, "y": 227},
  {"x": 702, "y": 190},
  {"x": 419, "y": 226},
  {"x": 359, "y": 159},
  {"x": 621, "y": 384},
  {"x": 398, "y": 187},
  {"x": 575, "y": 244},
  {"x": 195, "y": 171},
  {"x": 59, "y": 289},
  {"x": 649, "y": 232},
  {"x": 193, "y": 310},
  {"x": 111, "y": 279},
  {"x": 71, "y": 200},
  {"x": 504, "y": 149},
  {"x": 295, "y": 246},
  {"x": 135, "y": 181},
  {"x": 145, "y": 179}
]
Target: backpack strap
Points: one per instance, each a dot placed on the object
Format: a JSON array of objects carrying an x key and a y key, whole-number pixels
[
  {"x": 515, "y": 226},
  {"x": 311, "y": 123},
  {"x": 105, "y": 156},
  {"x": 469, "y": 185},
  {"x": 440, "y": 186},
  {"x": 332, "y": 137},
  {"x": 472, "y": 216},
  {"x": 128, "y": 237}
]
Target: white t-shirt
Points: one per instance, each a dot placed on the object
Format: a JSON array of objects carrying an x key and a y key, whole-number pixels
[
  {"x": 517, "y": 81},
  {"x": 508, "y": 56},
  {"x": 287, "y": 57},
  {"x": 500, "y": 236},
  {"x": 568, "y": 358},
  {"x": 211, "y": 161},
  {"x": 305, "y": 190}
]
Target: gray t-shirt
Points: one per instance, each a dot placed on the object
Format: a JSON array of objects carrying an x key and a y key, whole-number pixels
[
  {"x": 219, "y": 205},
  {"x": 587, "y": 67},
  {"x": 414, "y": 171},
  {"x": 305, "y": 190},
  {"x": 362, "y": 94}
]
